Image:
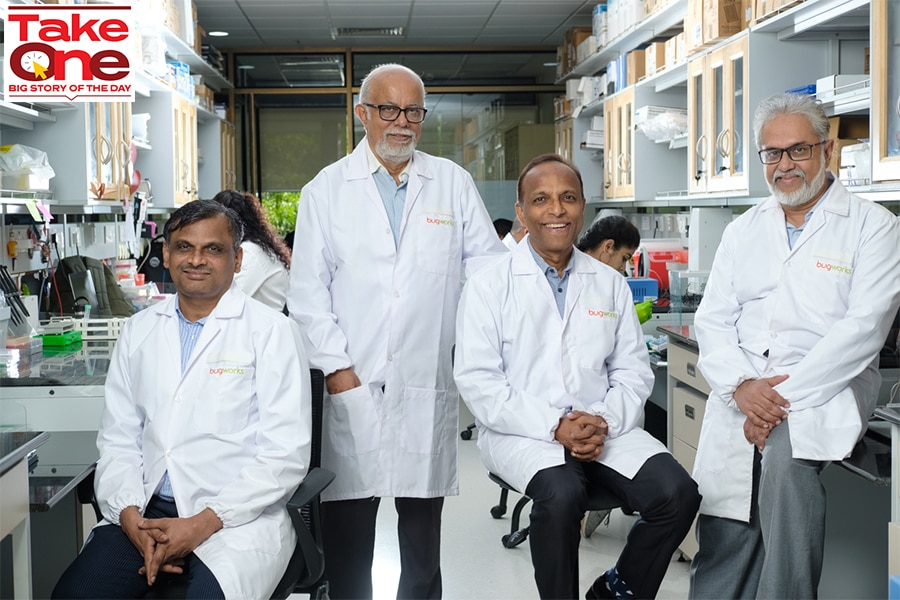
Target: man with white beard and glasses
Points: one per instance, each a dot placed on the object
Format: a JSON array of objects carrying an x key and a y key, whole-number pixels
[
  {"x": 381, "y": 241},
  {"x": 799, "y": 301}
]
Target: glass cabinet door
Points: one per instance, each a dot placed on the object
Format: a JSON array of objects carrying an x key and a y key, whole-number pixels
[
  {"x": 698, "y": 146},
  {"x": 885, "y": 121},
  {"x": 728, "y": 74},
  {"x": 624, "y": 163}
]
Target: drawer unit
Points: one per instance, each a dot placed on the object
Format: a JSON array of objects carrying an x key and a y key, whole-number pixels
[
  {"x": 687, "y": 407},
  {"x": 683, "y": 367}
]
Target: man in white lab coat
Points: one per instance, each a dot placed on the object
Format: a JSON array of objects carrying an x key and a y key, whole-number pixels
[
  {"x": 552, "y": 363},
  {"x": 205, "y": 432},
  {"x": 799, "y": 302},
  {"x": 381, "y": 239}
]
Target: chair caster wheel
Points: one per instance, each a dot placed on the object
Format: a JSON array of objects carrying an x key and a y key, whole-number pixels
[
  {"x": 466, "y": 434},
  {"x": 514, "y": 539},
  {"x": 498, "y": 511}
]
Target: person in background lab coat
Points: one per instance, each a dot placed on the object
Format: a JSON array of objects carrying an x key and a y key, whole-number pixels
[
  {"x": 205, "y": 432},
  {"x": 382, "y": 237},
  {"x": 801, "y": 294},
  {"x": 515, "y": 235},
  {"x": 551, "y": 361},
  {"x": 266, "y": 257},
  {"x": 612, "y": 240}
]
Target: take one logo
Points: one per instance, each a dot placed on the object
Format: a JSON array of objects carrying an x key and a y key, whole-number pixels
[
  {"x": 602, "y": 314},
  {"x": 833, "y": 268},
  {"x": 60, "y": 53}
]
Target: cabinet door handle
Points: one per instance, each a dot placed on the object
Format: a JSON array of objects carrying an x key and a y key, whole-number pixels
[
  {"x": 723, "y": 145},
  {"x": 692, "y": 369},
  {"x": 689, "y": 411},
  {"x": 898, "y": 106},
  {"x": 700, "y": 147}
]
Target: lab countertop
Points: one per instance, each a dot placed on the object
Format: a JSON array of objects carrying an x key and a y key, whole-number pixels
[
  {"x": 15, "y": 445},
  {"x": 63, "y": 462},
  {"x": 79, "y": 364},
  {"x": 681, "y": 333}
]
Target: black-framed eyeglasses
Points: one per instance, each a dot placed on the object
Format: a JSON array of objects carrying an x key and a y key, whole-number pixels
[
  {"x": 800, "y": 152},
  {"x": 389, "y": 112}
]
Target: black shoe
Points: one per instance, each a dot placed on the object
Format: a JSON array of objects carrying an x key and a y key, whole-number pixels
[{"x": 598, "y": 590}]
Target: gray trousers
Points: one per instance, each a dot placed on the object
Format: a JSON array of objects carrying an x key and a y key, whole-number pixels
[{"x": 778, "y": 554}]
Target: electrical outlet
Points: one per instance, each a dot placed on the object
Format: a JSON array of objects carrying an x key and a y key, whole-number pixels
[{"x": 109, "y": 232}]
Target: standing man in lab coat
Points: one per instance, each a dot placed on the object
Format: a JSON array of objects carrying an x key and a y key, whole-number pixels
[
  {"x": 382, "y": 237},
  {"x": 552, "y": 363},
  {"x": 205, "y": 432},
  {"x": 800, "y": 299}
]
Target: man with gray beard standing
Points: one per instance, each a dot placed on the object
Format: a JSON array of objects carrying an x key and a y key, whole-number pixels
[
  {"x": 382, "y": 238},
  {"x": 800, "y": 299}
]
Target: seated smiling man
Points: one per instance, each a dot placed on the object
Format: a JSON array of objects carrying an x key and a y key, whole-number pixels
[
  {"x": 551, "y": 361},
  {"x": 205, "y": 432}
]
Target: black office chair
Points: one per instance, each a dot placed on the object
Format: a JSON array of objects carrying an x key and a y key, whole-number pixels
[
  {"x": 598, "y": 499},
  {"x": 305, "y": 573}
]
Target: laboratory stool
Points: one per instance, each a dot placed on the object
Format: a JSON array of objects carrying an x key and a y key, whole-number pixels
[{"x": 598, "y": 499}]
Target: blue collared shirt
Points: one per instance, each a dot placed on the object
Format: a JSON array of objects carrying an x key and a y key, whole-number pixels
[
  {"x": 558, "y": 285},
  {"x": 793, "y": 233},
  {"x": 188, "y": 333},
  {"x": 392, "y": 195}
]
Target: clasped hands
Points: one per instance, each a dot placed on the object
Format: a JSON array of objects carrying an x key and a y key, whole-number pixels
[
  {"x": 763, "y": 406},
  {"x": 582, "y": 434},
  {"x": 165, "y": 542}
]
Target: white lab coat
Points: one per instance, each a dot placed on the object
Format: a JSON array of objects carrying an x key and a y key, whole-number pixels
[
  {"x": 233, "y": 431},
  {"x": 262, "y": 277},
  {"x": 389, "y": 313},
  {"x": 821, "y": 310},
  {"x": 520, "y": 367}
]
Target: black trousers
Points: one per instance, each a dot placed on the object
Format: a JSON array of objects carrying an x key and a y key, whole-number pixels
[
  {"x": 662, "y": 493},
  {"x": 107, "y": 567},
  {"x": 348, "y": 531}
]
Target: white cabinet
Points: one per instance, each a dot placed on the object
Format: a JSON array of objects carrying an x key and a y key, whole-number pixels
[
  {"x": 216, "y": 163},
  {"x": 721, "y": 102},
  {"x": 88, "y": 147},
  {"x": 885, "y": 122},
  {"x": 170, "y": 162}
]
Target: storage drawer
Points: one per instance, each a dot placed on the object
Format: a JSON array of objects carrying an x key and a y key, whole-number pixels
[
  {"x": 683, "y": 367},
  {"x": 688, "y": 407},
  {"x": 685, "y": 455}
]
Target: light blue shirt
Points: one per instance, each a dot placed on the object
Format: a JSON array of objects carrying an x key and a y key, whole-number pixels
[
  {"x": 188, "y": 333},
  {"x": 392, "y": 195},
  {"x": 558, "y": 285},
  {"x": 793, "y": 233}
]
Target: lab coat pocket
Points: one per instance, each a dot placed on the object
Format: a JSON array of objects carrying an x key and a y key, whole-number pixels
[
  {"x": 351, "y": 422},
  {"x": 425, "y": 416},
  {"x": 435, "y": 238},
  {"x": 228, "y": 395}
]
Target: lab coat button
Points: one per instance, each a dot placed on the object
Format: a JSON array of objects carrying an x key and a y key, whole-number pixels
[
  {"x": 388, "y": 231},
  {"x": 773, "y": 335},
  {"x": 396, "y": 294},
  {"x": 390, "y": 357}
]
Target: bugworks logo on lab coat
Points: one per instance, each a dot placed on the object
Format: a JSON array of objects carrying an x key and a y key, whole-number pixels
[
  {"x": 227, "y": 371},
  {"x": 439, "y": 221},
  {"x": 832, "y": 268},
  {"x": 603, "y": 314}
]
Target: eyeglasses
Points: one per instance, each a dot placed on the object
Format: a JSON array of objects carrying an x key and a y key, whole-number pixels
[
  {"x": 389, "y": 112},
  {"x": 800, "y": 152}
]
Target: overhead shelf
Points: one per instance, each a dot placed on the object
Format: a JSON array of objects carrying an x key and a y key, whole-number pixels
[
  {"x": 654, "y": 25},
  {"x": 810, "y": 20},
  {"x": 178, "y": 49},
  {"x": 21, "y": 116}
]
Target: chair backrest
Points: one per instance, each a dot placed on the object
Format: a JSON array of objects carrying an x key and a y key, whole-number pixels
[{"x": 306, "y": 569}]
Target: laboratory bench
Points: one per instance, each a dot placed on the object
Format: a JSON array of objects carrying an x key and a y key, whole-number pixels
[
  {"x": 858, "y": 492},
  {"x": 56, "y": 522}
]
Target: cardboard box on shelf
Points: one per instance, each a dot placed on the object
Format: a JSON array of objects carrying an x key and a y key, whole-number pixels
[
  {"x": 671, "y": 52},
  {"x": 748, "y": 13},
  {"x": 693, "y": 27},
  {"x": 635, "y": 63},
  {"x": 834, "y": 165},
  {"x": 573, "y": 38},
  {"x": 721, "y": 19},
  {"x": 845, "y": 127},
  {"x": 655, "y": 57},
  {"x": 866, "y": 61}
]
